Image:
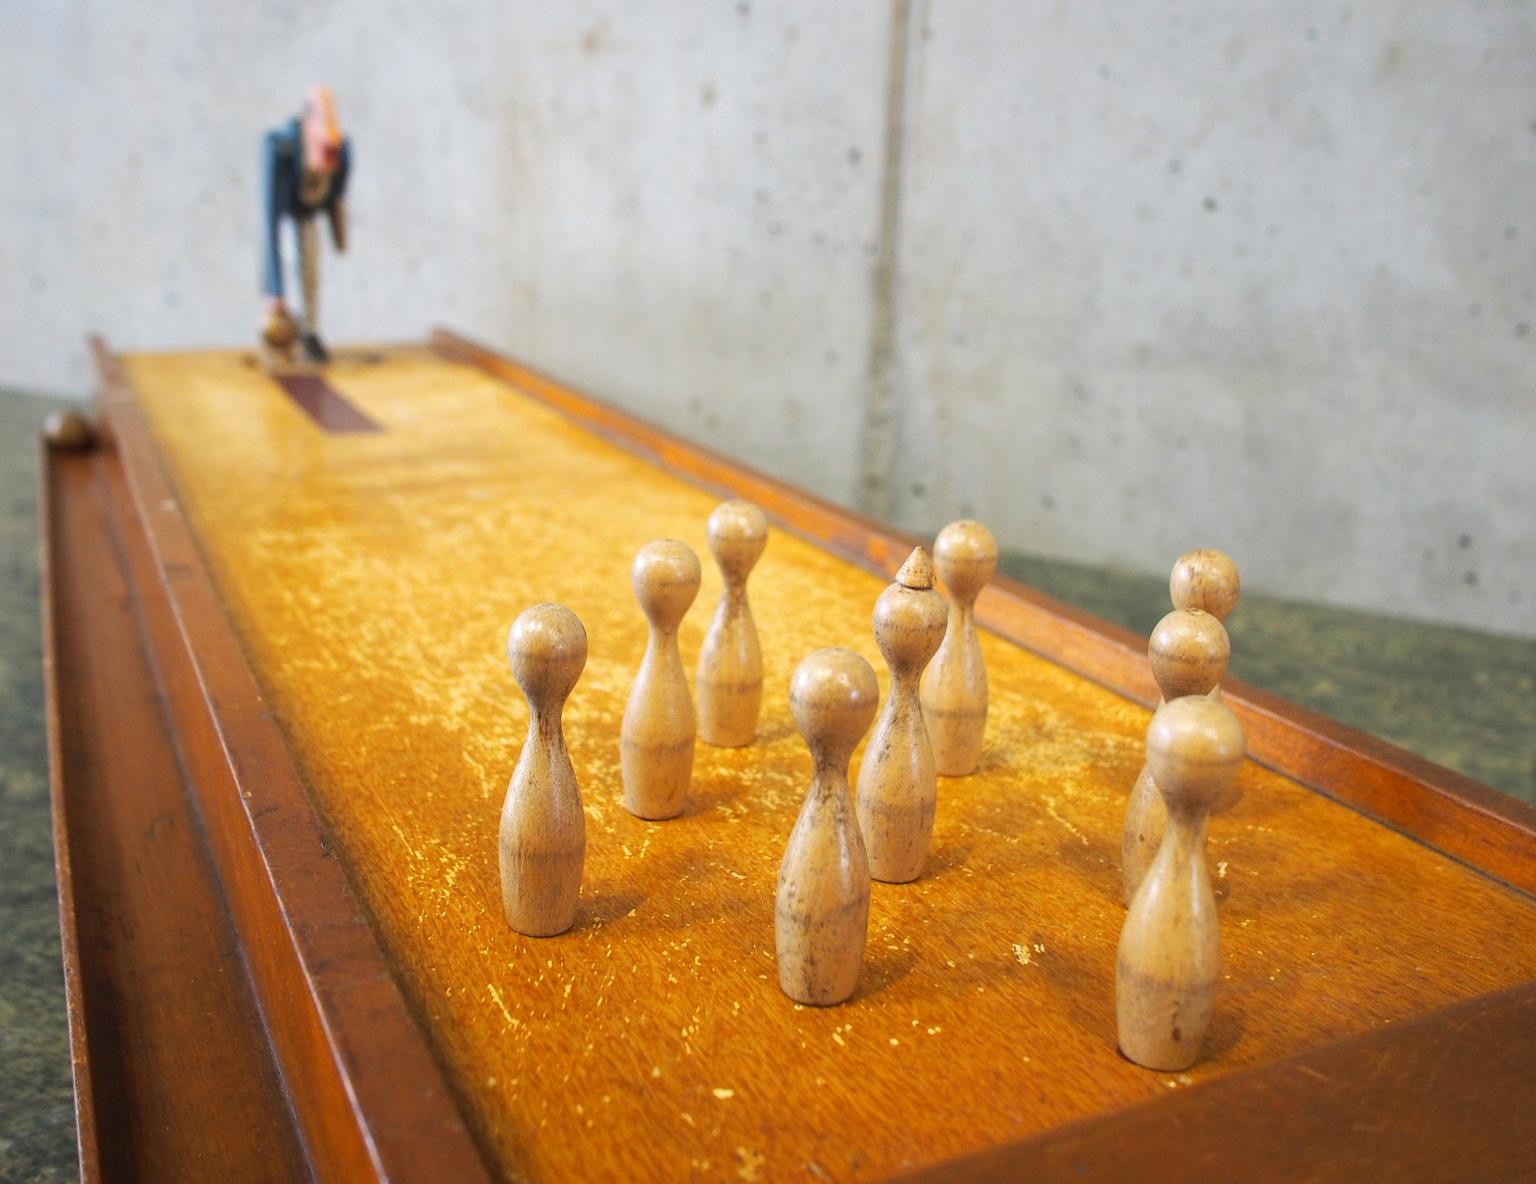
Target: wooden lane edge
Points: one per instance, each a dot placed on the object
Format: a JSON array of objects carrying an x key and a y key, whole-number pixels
[
  {"x": 1446, "y": 1096},
  {"x": 368, "y": 1094},
  {"x": 69, "y": 935},
  {"x": 151, "y": 934},
  {"x": 1470, "y": 822}
]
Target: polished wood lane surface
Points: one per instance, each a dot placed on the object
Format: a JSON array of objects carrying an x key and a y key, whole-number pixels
[{"x": 373, "y": 577}]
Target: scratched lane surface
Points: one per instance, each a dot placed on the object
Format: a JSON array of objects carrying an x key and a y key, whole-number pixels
[{"x": 373, "y": 577}]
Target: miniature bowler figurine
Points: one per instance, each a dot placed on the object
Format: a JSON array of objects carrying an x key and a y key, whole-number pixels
[
  {"x": 306, "y": 168},
  {"x": 543, "y": 833},
  {"x": 821, "y": 911}
]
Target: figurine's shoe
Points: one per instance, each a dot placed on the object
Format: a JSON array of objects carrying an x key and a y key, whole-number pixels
[{"x": 314, "y": 350}]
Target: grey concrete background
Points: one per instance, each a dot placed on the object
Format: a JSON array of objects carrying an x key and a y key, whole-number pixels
[{"x": 1117, "y": 279}]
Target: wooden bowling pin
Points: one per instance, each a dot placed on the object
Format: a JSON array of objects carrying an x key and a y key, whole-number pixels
[
  {"x": 1188, "y": 652},
  {"x": 730, "y": 678},
  {"x": 954, "y": 687},
  {"x": 1169, "y": 959},
  {"x": 897, "y": 787},
  {"x": 543, "y": 838},
  {"x": 656, "y": 738},
  {"x": 821, "y": 912}
]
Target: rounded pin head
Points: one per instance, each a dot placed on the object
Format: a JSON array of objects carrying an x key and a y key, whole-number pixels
[
  {"x": 1188, "y": 652},
  {"x": 1194, "y": 748},
  {"x": 965, "y": 554},
  {"x": 547, "y": 648},
  {"x": 1205, "y": 579},
  {"x": 917, "y": 571},
  {"x": 738, "y": 532},
  {"x": 833, "y": 695},
  {"x": 665, "y": 577}
]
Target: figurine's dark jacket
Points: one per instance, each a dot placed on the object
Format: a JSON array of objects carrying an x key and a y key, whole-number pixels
[{"x": 283, "y": 193}]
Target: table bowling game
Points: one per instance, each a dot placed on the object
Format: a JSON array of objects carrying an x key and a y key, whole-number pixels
[{"x": 282, "y": 724}]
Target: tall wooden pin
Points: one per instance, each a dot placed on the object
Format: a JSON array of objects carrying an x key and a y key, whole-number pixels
[
  {"x": 897, "y": 787},
  {"x": 543, "y": 836},
  {"x": 730, "y": 678},
  {"x": 656, "y": 738},
  {"x": 821, "y": 911},
  {"x": 1188, "y": 653},
  {"x": 1169, "y": 960},
  {"x": 954, "y": 687}
]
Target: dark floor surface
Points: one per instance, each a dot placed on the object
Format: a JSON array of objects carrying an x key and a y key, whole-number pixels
[
  {"x": 1462, "y": 698},
  {"x": 37, "y": 1122}
]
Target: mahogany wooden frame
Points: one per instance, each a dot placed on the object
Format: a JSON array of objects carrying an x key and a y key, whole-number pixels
[{"x": 196, "y": 880}]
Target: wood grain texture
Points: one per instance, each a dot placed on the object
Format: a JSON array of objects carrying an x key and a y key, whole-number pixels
[
  {"x": 369, "y": 1099},
  {"x": 173, "y": 1076},
  {"x": 371, "y": 606},
  {"x": 1454, "y": 814}
]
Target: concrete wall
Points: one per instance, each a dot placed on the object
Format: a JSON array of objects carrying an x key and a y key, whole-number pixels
[{"x": 1117, "y": 280}]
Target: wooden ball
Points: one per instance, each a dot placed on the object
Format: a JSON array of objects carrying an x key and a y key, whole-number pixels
[
  {"x": 1205, "y": 579},
  {"x": 965, "y": 554},
  {"x": 278, "y": 329},
  {"x": 68, "y": 430},
  {"x": 833, "y": 696},
  {"x": 1188, "y": 651},
  {"x": 547, "y": 649},
  {"x": 665, "y": 577},
  {"x": 738, "y": 532},
  {"x": 1194, "y": 748}
]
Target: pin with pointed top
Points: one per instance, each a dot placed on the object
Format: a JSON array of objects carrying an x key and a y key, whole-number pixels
[{"x": 898, "y": 787}]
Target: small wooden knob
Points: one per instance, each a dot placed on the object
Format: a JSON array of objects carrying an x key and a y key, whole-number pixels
[
  {"x": 1205, "y": 579},
  {"x": 833, "y": 695},
  {"x": 1188, "y": 651},
  {"x": 547, "y": 649},
  {"x": 966, "y": 556},
  {"x": 665, "y": 577},
  {"x": 68, "y": 430},
  {"x": 1194, "y": 749},
  {"x": 738, "y": 532}
]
